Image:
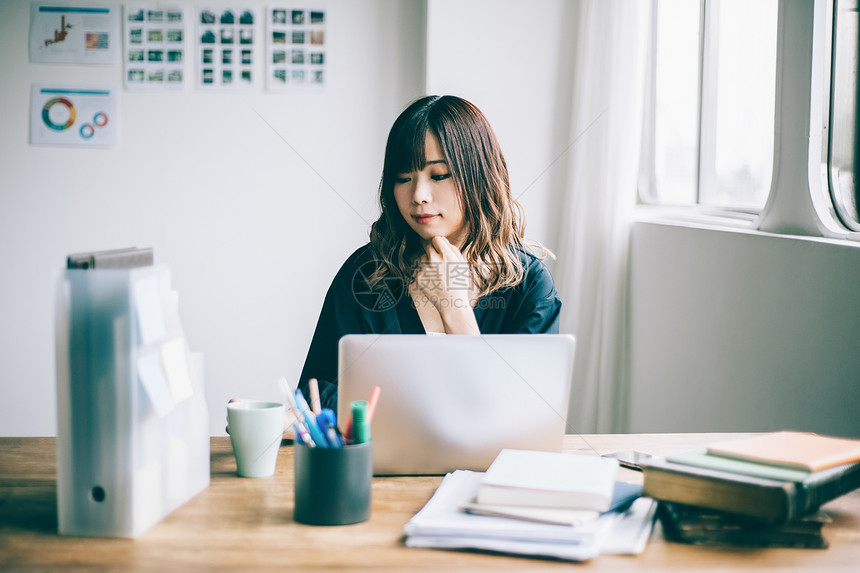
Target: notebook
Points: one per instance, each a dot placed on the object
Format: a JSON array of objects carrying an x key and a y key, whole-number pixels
[
  {"x": 797, "y": 450},
  {"x": 454, "y": 402},
  {"x": 549, "y": 479}
]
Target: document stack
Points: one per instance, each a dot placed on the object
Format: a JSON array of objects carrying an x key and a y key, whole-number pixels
[
  {"x": 132, "y": 435},
  {"x": 536, "y": 504},
  {"x": 761, "y": 491}
]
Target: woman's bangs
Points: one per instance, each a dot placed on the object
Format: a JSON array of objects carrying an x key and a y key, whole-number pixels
[{"x": 407, "y": 150}]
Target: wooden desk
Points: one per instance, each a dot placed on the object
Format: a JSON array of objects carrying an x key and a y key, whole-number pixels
[{"x": 239, "y": 523}]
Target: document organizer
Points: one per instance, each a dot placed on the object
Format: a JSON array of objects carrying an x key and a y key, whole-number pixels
[{"x": 132, "y": 431}]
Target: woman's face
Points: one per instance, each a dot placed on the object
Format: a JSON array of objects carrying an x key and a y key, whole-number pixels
[{"x": 428, "y": 199}]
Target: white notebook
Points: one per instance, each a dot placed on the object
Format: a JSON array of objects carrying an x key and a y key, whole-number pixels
[{"x": 548, "y": 479}]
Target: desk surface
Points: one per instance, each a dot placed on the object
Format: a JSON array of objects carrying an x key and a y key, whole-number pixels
[{"x": 240, "y": 523}]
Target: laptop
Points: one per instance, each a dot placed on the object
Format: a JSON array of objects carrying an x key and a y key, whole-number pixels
[{"x": 454, "y": 402}]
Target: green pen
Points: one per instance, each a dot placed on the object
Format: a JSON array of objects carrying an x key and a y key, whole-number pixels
[{"x": 360, "y": 422}]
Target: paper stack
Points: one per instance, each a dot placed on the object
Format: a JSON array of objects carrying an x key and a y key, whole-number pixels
[{"x": 467, "y": 510}]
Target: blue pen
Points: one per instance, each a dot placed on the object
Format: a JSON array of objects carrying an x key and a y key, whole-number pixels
[
  {"x": 323, "y": 423},
  {"x": 328, "y": 424},
  {"x": 310, "y": 419}
]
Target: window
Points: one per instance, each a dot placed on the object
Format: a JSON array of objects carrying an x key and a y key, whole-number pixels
[
  {"x": 842, "y": 155},
  {"x": 709, "y": 137}
]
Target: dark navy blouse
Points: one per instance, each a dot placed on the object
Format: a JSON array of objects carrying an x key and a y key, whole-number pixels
[{"x": 352, "y": 307}]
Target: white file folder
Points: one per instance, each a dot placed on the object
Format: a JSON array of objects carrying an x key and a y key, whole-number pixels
[{"x": 132, "y": 433}]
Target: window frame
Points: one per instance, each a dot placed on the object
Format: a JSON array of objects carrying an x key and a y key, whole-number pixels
[
  {"x": 706, "y": 123},
  {"x": 829, "y": 222},
  {"x": 845, "y": 218}
]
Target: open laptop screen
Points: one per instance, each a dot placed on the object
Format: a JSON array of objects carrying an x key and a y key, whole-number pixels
[{"x": 454, "y": 402}]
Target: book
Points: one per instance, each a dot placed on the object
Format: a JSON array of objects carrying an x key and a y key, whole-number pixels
[
  {"x": 441, "y": 524},
  {"x": 686, "y": 524},
  {"x": 811, "y": 452},
  {"x": 623, "y": 494},
  {"x": 548, "y": 479},
  {"x": 700, "y": 457},
  {"x": 765, "y": 499}
]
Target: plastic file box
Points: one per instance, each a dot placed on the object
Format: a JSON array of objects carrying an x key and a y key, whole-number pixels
[{"x": 132, "y": 433}]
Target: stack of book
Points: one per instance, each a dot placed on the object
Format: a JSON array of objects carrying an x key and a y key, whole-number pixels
[
  {"x": 762, "y": 491},
  {"x": 536, "y": 503}
]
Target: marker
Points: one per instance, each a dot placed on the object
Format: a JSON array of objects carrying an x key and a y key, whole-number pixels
[
  {"x": 315, "y": 396},
  {"x": 360, "y": 422},
  {"x": 371, "y": 408}
]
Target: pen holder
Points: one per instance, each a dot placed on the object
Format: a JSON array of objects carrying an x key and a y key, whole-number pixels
[{"x": 332, "y": 485}]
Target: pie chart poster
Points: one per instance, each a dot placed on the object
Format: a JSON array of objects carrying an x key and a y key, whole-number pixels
[{"x": 74, "y": 116}]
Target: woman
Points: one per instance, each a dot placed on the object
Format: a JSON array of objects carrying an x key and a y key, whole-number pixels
[{"x": 446, "y": 254}]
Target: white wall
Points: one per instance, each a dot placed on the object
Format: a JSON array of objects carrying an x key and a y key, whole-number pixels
[
  {"x": 743, "y": 331},
  {"x": 251, "y": 234},
  {"x": 513, "y": 60}
]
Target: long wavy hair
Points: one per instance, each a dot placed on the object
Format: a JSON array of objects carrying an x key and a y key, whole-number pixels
[{"x": 493, "y": 217}]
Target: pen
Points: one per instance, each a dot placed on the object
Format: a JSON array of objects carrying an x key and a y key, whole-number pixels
[
  {"x": 291, "y": 399},
  {"x": 300, "y": 429},
  {"x": 310, "y": 420},
  {"x": 371, "y": 403},
  {"x": 302, "y": 433},
  {"x": 328, "y": 425},
  {"x": 313, "y": 385}
]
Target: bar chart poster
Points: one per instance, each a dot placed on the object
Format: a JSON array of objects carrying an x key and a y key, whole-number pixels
[
  {"x": 66, "y": 34},
  {"x": 74, "y": 116}
]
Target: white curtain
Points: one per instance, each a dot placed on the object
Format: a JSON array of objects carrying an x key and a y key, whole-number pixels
[{"x": 611, "y": 48}]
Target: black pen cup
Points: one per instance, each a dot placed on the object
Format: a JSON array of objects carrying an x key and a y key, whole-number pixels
[{"x": 332, "y": 485}]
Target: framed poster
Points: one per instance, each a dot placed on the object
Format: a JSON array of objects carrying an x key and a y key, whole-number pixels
[
  {"x": 295, "y": 48},
  {"x": 226, "y": 52},
  {"x": 74, "y": 116},
  {"x": 154, "y": 42},
  {"x": 69, "y": 34}
]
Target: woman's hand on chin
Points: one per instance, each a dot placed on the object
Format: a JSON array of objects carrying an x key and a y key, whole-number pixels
[{"x": 445, "y": 278}]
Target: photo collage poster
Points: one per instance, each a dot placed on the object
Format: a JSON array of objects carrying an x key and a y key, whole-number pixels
[
  {"x": 154, "y": 47},
  {"x": 227, "y": 54},
  {"x": 295, "y": 48}
]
